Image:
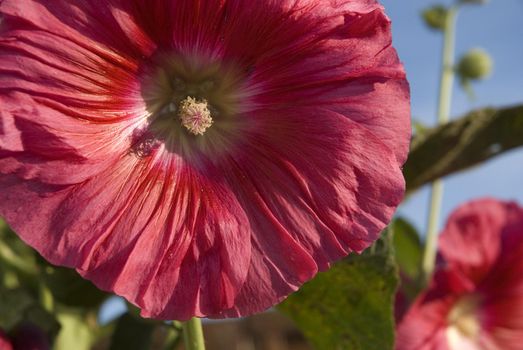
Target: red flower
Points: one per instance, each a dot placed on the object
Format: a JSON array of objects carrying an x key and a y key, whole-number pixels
[
  {"x": 200, "y": 157},
  {"x": 475, "y": 300}
]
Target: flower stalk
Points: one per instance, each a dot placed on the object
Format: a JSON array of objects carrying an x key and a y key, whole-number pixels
[
  {"x": 193, "y": 334},
  {"x": 445, "y": 98}
]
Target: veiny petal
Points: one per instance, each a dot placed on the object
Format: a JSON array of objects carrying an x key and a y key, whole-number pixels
[
  {"x": 314, "y": 191},
  {"x": 367, "y": 86},
  {"x": 311, "y": 173},
  {"x": 69, "y": 103},
  {"x": 41, "y": 140},
  {"x": 97, "y": 26},
  {"x": 173, "y": 242}
]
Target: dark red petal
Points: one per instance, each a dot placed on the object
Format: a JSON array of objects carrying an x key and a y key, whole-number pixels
[
  {"x": 475, "y": 228},
  {"x": 314, "y": 191},
  {"x": 424, "y": 327},
  {"x": 70, "y": 101},
  {"x": 502, "y": 289},
  {"x": 101, "y": 27},
  {"x": 347, "y": 64},
  {"x": 174, "y": 242},
  {"x": 43, "y": 141}
]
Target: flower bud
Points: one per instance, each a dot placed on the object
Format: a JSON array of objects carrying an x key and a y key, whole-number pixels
[
  {"x": 435, "y": 17},
  {"x": 475, "y": 64}
]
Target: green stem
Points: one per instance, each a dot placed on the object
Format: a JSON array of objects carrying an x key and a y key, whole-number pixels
[
  {"x": 193, "y": 334},
  {"x": 445, "y": 97}
]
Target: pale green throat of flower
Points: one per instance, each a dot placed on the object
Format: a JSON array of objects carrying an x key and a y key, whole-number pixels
[
  {"x": 463, "y": 323},
  {"x": 195, "y": 115}
]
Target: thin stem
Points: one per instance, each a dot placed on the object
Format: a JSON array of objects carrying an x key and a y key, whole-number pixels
[
  {"x": 445, "y": 98},
  {"x": 193, "y": 334}
]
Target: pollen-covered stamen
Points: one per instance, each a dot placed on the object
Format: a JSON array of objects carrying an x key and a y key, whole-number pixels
[{"x": 195, "y": 115}]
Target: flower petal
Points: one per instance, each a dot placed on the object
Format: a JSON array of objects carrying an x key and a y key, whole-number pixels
[
  {"x": 347, "y": 64},
  {"x": 476, "y": 228},
  {"x": 314, "y": 191},
  {"x": 174, "y": 242}
]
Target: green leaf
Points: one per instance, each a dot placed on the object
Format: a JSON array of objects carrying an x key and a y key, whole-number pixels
[
  {"x": 75, "y": 333},
  {"x": 407, "y": 247},
  {"x": 350, "y": 306},
  {"x": 18, "y": 306},
  {"x": 463, "y": 143},
  {"x": 69, "y": 288},
  {"x": 15, "y": 254},
  {"x": 132, "y": 332}
]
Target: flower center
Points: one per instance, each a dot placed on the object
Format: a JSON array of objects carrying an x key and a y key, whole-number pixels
[
  {"x": 464, "y": 324},
  {"x": 195, "y": 115}
]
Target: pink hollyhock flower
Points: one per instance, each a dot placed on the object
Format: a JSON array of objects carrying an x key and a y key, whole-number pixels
[
  {"x": 475, "y": 300},
  {"x": 200, "y": 157}
]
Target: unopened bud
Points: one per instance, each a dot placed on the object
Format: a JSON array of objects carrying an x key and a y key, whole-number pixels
[
  {"x": 475, "y": 64},
  {"x": 435, "y": 17}
]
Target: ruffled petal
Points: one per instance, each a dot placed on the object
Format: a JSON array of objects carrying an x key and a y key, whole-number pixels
[
  {"x": 475, "y": 228},
  {"x": 44, "y": 141},
  {"x": 313, "y": 192},
  {"x": 425, "y": 326},
  {"x": 481, "y": 248},
  {"x": 70, "y": 100},
  {"x": 347, "y": 64},
  {"x": 226, "y": 225},
  {"x": 174, "y": 242},
  {"x": 99, "y": 27}
]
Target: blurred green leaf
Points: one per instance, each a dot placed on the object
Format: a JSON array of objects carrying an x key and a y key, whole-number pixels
[
  {"x": 70, "y": 289},
  {"x": 75, "y": 333},
  {"x": 18, "y": 306},
  {"x": 174, "y": 336},
  {"x": 418, "y": 127},
  {"x": 132, "y": 332},
  {"x": 408, "y": 249},
  {"x": 350, "y": 306},
  {"x": 15, "y": 254},
  {"x": 463, "y": 143}
]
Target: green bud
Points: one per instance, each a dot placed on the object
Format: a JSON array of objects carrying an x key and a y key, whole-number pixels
[
  {"x": 435, "y": 17},
  {"x": 475, "y": 64}
]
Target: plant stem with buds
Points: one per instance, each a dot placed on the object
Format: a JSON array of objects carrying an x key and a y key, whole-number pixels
[{"x": 445, "y": 97}]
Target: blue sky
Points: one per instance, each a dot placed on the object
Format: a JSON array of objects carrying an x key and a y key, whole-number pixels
[{"x": 497, "y": 27}]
